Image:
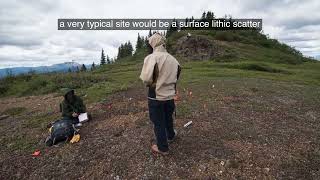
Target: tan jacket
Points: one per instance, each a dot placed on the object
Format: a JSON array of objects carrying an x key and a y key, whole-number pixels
[{"x": 160, "y": 71}]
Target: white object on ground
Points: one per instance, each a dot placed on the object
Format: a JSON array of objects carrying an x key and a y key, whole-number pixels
[
  {"x": 188, "y": 124},
  {"x": 83, "y": 117},
  {"x": 212, "y": 85},
  {"x": 78, "y": 125}
]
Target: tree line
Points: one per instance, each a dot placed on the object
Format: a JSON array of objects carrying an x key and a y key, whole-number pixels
[{"x": 126, "y": 49}]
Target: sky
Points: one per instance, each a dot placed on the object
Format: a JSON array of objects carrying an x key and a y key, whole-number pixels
[{"x": 29, "y": 35}]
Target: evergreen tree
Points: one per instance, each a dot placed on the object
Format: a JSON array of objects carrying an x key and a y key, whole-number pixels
[
  {"x": 69, "y": 70},
  {"x": 93, "y": 66},
  {"x": 125, "y": 50},
  {"x": 147, "y": 45},
  {"x": 103, "y": 58},
  {"x": 149, "y": 48},
  {"x": 139, "y": 44},
  {"x": 130, "y": 49},
  {"x": 146, "y": 42},
  {"x": 172, "y": 28},
  {"x": 108, "y": 60},
  {"x": 203, "y": 15},
  {"x": 120, "y": 52},
  {"x": 83, "y": 68},
  {"x": 210, "y": 15}
]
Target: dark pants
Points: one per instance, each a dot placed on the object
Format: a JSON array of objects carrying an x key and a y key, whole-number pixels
[
  {"x": 74, "y": 120},
  {"x": 160, "y": 113}
]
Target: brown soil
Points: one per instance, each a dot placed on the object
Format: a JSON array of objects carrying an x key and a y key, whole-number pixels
[{"x": 227, "y": 140}]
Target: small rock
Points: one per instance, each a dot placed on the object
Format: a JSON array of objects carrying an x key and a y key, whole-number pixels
[
  {"x": 202, "y": 168},
  {"x": 3, "y": 117},
  {"x": 266, "y": 170},
  {"x": 222, "y": 163}
]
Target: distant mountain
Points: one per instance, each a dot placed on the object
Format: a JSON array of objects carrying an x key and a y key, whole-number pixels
[
  {"x": 317, "y": 57},
  {"x": 62, "y": 67}
]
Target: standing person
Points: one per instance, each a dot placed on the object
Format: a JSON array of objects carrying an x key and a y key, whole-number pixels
[
  {"x": 72, "y": 106},
  {"x": 160, "y": 73}
]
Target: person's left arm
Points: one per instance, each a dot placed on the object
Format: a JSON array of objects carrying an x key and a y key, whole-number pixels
[
  {"x": 147, "y": 72},
  {"x": 81, "y": 106}
]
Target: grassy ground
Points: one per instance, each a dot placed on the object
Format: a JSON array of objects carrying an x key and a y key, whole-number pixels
[
  {"x": 255, "y": 116},
  {"x": 242, "y": 128}
]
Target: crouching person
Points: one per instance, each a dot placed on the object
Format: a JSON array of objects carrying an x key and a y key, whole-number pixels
[
  {"x": 72, "y": 106},
  {"x": 160, "y": 73},
  {"x": 64, "y": 129}
]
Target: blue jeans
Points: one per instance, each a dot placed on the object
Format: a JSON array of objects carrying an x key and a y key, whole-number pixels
[{"x": 160, "y": 113}]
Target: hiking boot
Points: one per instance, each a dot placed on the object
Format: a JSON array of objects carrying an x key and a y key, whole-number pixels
[
  {"x": 155, "y": 149},
  {"x": 174, "y": 137}
]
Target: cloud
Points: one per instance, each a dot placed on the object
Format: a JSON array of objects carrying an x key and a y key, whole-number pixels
[{"x": 29, "y": 35}]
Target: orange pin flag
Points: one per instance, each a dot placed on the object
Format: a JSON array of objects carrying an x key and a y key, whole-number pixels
[{"x": 36, "y": 153}]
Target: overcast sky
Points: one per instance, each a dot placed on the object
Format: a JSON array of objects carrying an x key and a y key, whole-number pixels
[{"x": 29, "y": 35}]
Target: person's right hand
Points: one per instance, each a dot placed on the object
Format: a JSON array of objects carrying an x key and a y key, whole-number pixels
[
  {"x": 177, "y": 96},
  {"x": 75, "y": 114},
  {"x": 153, "y": 85}
]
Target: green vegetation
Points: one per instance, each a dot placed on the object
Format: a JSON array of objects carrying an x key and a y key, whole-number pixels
[
  {"x": 20, "y": 142},
  {"x": 254, "y": 67},
  {"x": 249, "y": 55},
  {"x": 14, "y": 111},
  {"x": 259, "y": 92},
  {"x": 103, "y": 58},
  {"x": 125, "y": 50},
  {"x": 306, "y": 73}
]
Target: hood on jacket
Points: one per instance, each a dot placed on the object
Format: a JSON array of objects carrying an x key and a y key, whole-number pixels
[
  {"x": 156, "y": 40},
  {"x": 66, "y": 91}
]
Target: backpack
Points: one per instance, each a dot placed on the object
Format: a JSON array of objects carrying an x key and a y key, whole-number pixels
[{"x": 61, "y": 130}]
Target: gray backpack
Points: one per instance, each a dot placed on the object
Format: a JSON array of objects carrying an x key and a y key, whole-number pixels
[{"x": 61, "y": 131}]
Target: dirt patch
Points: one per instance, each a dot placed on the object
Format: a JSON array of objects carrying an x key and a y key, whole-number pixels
[
  {"x": 46, "y": 103},
  {"x": 232, "y": 137},
  {"x": 198, "y": 48}
]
